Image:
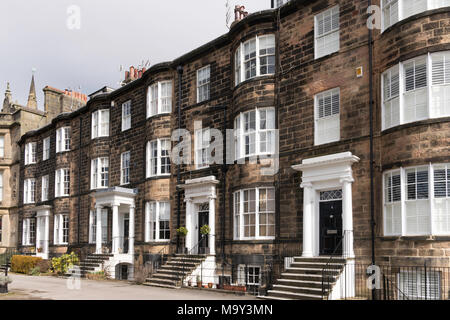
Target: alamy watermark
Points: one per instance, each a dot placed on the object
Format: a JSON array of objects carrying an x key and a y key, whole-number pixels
[{"x": 73, "y": 21}]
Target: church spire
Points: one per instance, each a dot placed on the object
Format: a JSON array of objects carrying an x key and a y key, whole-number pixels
[
  {"x": 32, "y": 102},
  {"x": 8, "y": 99}
]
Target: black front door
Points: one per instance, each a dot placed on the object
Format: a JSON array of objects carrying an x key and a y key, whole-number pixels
[
  {"x": 203, "y": 219},
  {"x": 331, "y": 227},
  {"x": 126, "y": 234}
]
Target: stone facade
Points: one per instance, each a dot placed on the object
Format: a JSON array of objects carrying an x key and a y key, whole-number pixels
[{"x": 291, "y": 90}]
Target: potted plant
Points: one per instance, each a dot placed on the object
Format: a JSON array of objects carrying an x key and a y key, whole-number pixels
[
  {"x": 182, "y": 233},
  {"x": 210, "y": 285},
  {"x": 190, "y": 282},
  {"x": 39, "y": 250},
  {"x": 204, "y": 231},
  {"x": 199, "y": 282},
  {"x": 4, "y": 281}
]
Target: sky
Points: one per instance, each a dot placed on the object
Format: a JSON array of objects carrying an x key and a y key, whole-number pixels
[{"x": 42, "y": 35}]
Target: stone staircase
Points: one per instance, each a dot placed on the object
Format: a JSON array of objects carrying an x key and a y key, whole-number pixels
[
  {"x": 92, "y": 263},
  {"x": 303, "y": 279},
  {"x": 178, "y": 266}
]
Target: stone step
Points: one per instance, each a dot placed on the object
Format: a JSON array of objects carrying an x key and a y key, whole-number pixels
[
  {"x": 306, "y": 277},
  {"x": 154, "y": 284},
  {"x": 300, "y": 283},
  {"x": 302, "y": 290},
  {"x": 325, "y": 259},
  {"x": 271, "y": 298},
  {"x": 317, "y": 265},
  {"x": 309, "y": 271},
  {"x": 293, "y": 296},
  {"x": 161, "y": 282}
]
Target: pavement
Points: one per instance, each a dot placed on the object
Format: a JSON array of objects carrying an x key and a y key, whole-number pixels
[{"x": 26, "y": 287}]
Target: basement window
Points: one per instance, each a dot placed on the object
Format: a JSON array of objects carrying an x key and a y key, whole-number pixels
[{"x": 418, "y": 285}]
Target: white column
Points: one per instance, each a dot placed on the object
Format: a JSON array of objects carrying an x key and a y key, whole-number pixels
[
  {"x": 98, "y": 240},
  {"x": 115, "y": 229},
  {"x": 308, "y": 211},
  {"x": 347, "y": 217},
  {"x": 46, "y": 235},
  {"x": 38, "y": 235},
  {"x": 131, "y": 232},
  {"x": 189, "y": 226},
  {"x": 212, "y": 225}
]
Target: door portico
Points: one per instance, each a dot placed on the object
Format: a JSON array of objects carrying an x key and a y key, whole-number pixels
[
  {"x": 200, "y": 193},
  {"x": 122, "y": 203},
  {"x": 326, "y": 174},
  {"x": 42, "y": 231}
]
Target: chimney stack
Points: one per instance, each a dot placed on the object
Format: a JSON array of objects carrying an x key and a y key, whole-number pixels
[
  {"x": 239, "y": 13},
  {"x": 133, "y": 74}
]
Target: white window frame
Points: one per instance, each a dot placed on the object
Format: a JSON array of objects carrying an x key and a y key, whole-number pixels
[
  {"x": 150, "y": 158},
  {"x": 27, "y": 239},
  {"x": 62, "y": 182},
  {"x": 240, "y": 74},
  {"x": 203, "y": 84},
  {"x": 149, "y": 227},
  {"x": 126, "y": 115},
  {"x": 241, "y": 134},
  {"x": 333, "y": 118},
  {"x": 239, "y": 232},
  {"x": 415, "y": 277},
  {"x": 63, "y": 139},
  {"x": 93, "y": 225},
  {"x": 1, "y": 188},
  {"x": 100, "y": 123},
  {"x": 403, "y": 6},
  {"x": 45, "y": 187},
  {"x": 2, "y": 146},
  {"x": 202, "y": 141},
  {"x": 46, "y": 149},
  {"x": 125, "y": 159},
  {"x": 332, "y": 12},
  {"x": 100, "y": 173},
  {"x": 434, "y": 84},
  {"x": 434, "y": 217},
  {"x": 29, "y": 191},
  {"x": 30, "y": 153},
  {"x": 244, "y": 277},
  {"x": 161, "y": 100},
  {"x": 61, "y": 229}
]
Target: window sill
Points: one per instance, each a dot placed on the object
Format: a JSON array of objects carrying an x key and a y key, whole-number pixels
[
  {"x": 266, "y": 76},
  {"x": 159, "y": 115},
  {"x": 62, "y": 197},
  {"x": 157, "y": 242},
  {"x": 415, "y": 124},
  {"x": 64, "y": 151},
  {"x": 158, "y": 177},
  {"x": 417, "y": 238},
  {"x": 100, "y": 137},
  {"x": 255, "y": 241},
  {"x": 125, "y": 130}
]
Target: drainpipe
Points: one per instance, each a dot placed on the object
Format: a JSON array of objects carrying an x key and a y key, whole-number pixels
[
  {"x": 372, "y": 196},
  {"x": 180, "y": 78},
  {"x": 272, "y": 4},
  {"x": 79, "y": 185}
]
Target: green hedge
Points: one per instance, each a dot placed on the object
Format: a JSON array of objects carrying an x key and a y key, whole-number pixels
[{"x": 24, "y": 264}]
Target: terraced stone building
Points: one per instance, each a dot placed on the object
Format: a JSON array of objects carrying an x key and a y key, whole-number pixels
[{"x": 295, "y": 83}]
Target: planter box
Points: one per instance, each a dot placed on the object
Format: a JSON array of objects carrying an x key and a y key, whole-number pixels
[{"x": 235, "y": 288}]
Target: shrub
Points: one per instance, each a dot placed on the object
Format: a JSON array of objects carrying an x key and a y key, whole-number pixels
[
  {"x": 182, "y": 231},
  {"x": 98, "y": 275},
  {"x": 24, "y": 264},
  {"x": 204, "y": 230},
  {"x": 44, "y": 266},
  {"x": 35, "y": 271},
  {"x": 62, "y": 264}
]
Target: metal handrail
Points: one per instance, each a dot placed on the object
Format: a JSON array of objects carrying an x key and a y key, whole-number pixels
[
  {"x": 190, "y": 252},
  {"x": 333, "y": 256}
]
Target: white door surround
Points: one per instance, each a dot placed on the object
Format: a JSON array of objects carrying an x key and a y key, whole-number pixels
[
  {"x": 326, "y": 173},
  {"x": 121, "y": 200},
  {"x": 42, "y": 231},
  {"x": 199, "y": 191}
]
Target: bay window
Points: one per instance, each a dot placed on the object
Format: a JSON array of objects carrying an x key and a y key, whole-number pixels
[
  {"x": 255, "y": 133},
  {"x": 61, "y": 229},
  {"x": 255, "y": 57},
  {"x": 158, "y": 158},
  {"x": 417, "y": 89},
  {"x": 29, "y": 191},
  {"x": 327, "y": 117},
  {"x": 159, "y": 98},
  {"x": 62, "y": 183},
  {"x": 30, "y": 153},
  {"x": 100, "y": 123},
  {"x": 397, "y": 10},
  {"x": 63, "y": 139},
  {"x": 417, "y": 201},
  {"x": 157, "y": 221},
  {"x": 254, "y": 214},
  {"x": 326, "y": 30},
  {"x": 29, "y": 231},
  {"x": 100, "y": 173}
]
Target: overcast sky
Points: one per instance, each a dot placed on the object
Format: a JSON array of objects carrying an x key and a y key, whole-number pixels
[{"x": 34, "y": 34}]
